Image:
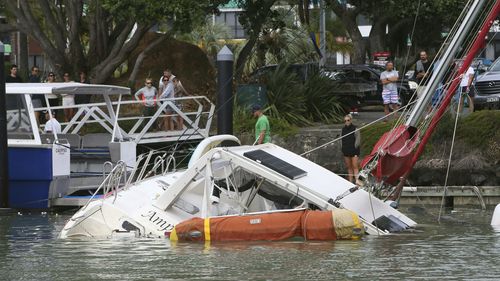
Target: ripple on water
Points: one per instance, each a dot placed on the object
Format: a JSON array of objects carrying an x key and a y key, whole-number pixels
[{"x": 465, "y": 247}]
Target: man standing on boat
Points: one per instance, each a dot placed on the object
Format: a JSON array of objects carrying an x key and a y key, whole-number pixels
[
  {"x": 262, "y": 128},
  {"x": 52, "y": 126},
  {"x": 13, "y": 77},
  {"x": 390, "y": 95}
]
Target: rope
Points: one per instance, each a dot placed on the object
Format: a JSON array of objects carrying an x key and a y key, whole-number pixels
[
  {"x": 358, "y": 129},
  {"x": 449, "y": 164}
]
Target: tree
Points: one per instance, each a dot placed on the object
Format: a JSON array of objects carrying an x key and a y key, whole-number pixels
[
  {"x": 433, "y": 16},
  {"x": 255, "y": 15},
  {"x": 99, "y": 35}
]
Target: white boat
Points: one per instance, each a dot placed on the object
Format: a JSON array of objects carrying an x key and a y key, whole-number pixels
[
  {"x": 65, "y": 168},
  {"x": 225, "y": 181}
]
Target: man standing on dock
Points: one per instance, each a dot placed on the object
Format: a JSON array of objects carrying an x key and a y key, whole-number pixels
[
  {"x": 262, "y": 128},
  {"x": 390, "y": 96},
  {"x": 13, "y": 77}
]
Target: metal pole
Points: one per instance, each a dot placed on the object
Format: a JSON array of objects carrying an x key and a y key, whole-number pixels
[
  {"x": 225, "y": 61},
  {"x": 420, "y": 107},
  {"x": 4, "y": 172},
  {"x": 322, "y": 33}
]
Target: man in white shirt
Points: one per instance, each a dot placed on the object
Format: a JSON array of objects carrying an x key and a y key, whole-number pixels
[
  {"x": 52, "y": 126},
  {"x": 465, "y": 84},
  {"x": 389, "y": 79}
]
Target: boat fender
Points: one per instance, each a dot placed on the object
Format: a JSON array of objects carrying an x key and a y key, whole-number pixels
[{"x": 495, "y": 220}]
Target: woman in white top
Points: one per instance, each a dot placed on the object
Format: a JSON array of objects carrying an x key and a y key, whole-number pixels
[
  {"x": 53, "y": 99},
  {"x": 68, "y": 100},
  {"x": 168, "y": 93}
]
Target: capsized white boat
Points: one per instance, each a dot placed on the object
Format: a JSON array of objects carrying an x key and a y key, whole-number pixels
[{"x": 230, "y": 180}]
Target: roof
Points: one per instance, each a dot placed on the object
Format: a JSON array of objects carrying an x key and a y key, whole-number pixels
[
  {"x": 65, "y": 88},
  {"x": 231, "y": 5}
]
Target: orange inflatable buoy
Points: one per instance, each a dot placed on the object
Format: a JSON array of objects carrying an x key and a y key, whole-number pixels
[{"x": 274, "y": 226}]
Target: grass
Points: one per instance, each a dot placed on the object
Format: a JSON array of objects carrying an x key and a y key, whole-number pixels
[{"x": 479, "y": 131}]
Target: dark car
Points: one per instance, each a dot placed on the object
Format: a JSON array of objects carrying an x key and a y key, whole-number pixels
[
  {"x": 355, "y": 84},
  {"x": 487, "y": 88},
  {"x": 361, "y": 84},
  {"x": 302, "y": 70}
]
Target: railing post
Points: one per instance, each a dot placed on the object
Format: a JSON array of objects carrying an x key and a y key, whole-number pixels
[
  {"x": 225, "y": 60},
  {"x": 4, "y": 161}
]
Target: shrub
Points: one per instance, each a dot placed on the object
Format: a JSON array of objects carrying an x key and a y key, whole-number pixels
[
  {"x": 322, "y": 104},
  {"x": 285, "y": 96}
]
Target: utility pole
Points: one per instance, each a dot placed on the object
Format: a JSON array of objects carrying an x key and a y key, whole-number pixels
[
  {"x": 4, "y": 172},
  {"x": 322, "y": 33}
]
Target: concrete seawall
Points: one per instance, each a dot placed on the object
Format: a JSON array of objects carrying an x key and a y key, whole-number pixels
[{"x": 428, "y": 174}]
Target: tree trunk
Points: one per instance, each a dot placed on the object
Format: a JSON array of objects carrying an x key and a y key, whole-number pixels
[
  {"x": 300, "y": 6},
  {"x": 243, "y": 56},
  {"x": 359, "y": 43},
  {"x": 23, "y": 55},
  {"x": 348, "y": 17},
  {"x": 377, "y": 35},
  {"x": 142, "y": 56}
]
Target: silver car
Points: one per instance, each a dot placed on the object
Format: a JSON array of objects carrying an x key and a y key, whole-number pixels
[{"x": 487, "y": 88}]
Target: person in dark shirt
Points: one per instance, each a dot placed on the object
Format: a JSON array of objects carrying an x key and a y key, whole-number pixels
[
  {"x": 37, "y": 100},
  {"x": 351, "y": 141},
  {"x": 13, "y": 77},
  {"x": 83, "y": 99}
]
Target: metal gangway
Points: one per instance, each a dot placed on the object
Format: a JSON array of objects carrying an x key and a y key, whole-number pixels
[{"x": 124, "y": 120}]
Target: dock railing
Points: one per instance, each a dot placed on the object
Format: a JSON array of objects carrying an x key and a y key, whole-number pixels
[{"x": 194, "y": 112}]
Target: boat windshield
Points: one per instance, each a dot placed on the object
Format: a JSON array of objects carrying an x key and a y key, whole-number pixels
[{"x": 18, "y": 120}]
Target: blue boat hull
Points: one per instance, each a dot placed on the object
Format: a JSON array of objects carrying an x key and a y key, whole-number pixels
[{"x": 30, "y": 176}]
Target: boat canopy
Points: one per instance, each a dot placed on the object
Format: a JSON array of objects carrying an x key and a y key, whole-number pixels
[{"x": 64, "y": 88}]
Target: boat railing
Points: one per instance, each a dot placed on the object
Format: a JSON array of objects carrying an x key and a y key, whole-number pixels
[
  {"x": 115, "y": 179},
  {"x": 160, "y": 160},
  {"x": 193, "y": 112}
]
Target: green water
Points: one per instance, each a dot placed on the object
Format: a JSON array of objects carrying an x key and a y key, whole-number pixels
[{"x": 462, "y": 247}]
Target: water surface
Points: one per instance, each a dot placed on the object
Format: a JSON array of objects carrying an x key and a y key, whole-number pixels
[{"x": 462, "y": 247}]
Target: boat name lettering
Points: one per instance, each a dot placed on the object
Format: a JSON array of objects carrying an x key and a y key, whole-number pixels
[
  {"x": 61, "y": 150},
  {"x": 156, "y": 219}
]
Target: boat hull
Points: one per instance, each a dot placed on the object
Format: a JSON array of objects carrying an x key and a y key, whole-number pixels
[{"x": 33, "y": 176}]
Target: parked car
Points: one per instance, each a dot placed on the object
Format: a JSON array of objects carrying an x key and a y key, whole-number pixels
[
  {"x": 487, "y": 88},
  {"x": 361, "y": 84},
  {"x": 355, "y": 84}
]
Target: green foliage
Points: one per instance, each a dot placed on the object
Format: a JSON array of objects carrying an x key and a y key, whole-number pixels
[
  {"x": 285, "y": 96},
  {"x": 289, "y": 44},
  {"x": 181, "y": 15},
  {"x": 371, "y": 134},
  {"x": 480, "y": 130},
  {"x": 300, "y": 102},
  {"x": 258, "y": 13},
  {"x": 244, "y": 123},
  {"x": 208, "y": 37},
  {"x": 321, "y": 104}
]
